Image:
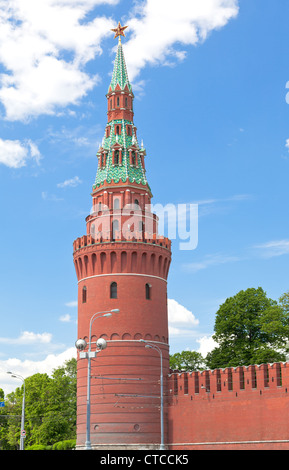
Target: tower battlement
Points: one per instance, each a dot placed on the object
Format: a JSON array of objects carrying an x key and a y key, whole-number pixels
[
  {"x": 137, "y": 238},
  {"x": 130, "y": 257}
]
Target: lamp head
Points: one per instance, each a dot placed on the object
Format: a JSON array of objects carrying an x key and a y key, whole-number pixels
[
  {"x": 101, "y": 343},
  {"x": 80, "y": 344}
]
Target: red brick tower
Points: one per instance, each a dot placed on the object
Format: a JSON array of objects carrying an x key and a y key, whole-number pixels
[{"x": 122, "y": 263}]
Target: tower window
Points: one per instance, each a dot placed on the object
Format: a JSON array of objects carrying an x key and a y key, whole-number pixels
[
  {"x": 126, "y": 102},
  {"x": 116, "y": 157},
  {"x": 117, "y": 101},
  {"x": 117, "y": 130},
  {"x": 113, "y": 290},
  {"x": 116, "y": 203},
  {"x": 115, "y": 228},
  {"x": 102, "y": 160},
  {"x": 84, "y": 295},
  {"x": 148, "y": 291},
  {"x": 133, "y": 158}
]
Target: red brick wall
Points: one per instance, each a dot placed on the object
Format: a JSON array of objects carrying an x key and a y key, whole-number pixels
[{"x": 237, "y": 408}]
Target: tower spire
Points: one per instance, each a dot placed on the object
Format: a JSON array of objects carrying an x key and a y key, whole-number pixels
[
  {"x": 119, "y": 75},
  {"x": 121, "y": 159}
]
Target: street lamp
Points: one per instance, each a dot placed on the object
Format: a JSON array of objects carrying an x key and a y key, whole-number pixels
[
  {"x": 156, "y": 348},
  {"x": 81, "y": 345},
  {"x": 22, "y": 433}
]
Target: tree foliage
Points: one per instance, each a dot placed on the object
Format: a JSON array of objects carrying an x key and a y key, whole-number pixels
[
  {"x": 50, "y": 409},
  {"x": 187, "y": 360},
  {"x": 250, "y": 328}
]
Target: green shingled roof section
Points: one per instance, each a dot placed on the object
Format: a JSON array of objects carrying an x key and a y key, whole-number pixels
[
  {"x": 115, "y": 173},
  {"x": 120, "y": 75}
]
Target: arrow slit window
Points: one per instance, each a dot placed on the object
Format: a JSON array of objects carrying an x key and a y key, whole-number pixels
[
  {"x": 113, "y": 290},
  {"x": 148, "y": 291},
  {"x": 84, "y": 295}
]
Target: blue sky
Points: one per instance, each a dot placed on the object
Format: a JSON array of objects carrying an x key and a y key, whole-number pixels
[{"x": 209, "y": 78}]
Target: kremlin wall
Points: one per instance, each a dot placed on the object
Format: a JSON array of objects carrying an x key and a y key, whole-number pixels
[{"x": 242, "y": 408}]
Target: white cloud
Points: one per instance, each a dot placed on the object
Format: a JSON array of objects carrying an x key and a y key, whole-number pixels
[
  {"x": 207, "y": 344},
  {"x": 160, "y": 27},
  {"x": 50, "y": 197},
  {"x": 28, "y": 337},
  {"x": 274, "y": 248},
  {"x": 234, "y": 198},
  {"x": 264, "y": 250},
  {"x": 177, "y": 313},
  {"x": 182, "y": 322},
  {"x": 72, "y": 183},
  {"x": 27, "y": 368},
  {"x": 65, "y": 318},
  {"x": 15, "y": 154},
  {"x": 44, "y": 47},
  {"x": 210, "y": 260},
  {"x": 73, "y": 303}
]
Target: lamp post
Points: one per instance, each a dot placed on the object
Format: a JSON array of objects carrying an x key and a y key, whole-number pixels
[
  {"x": 81, "y": 345},
  {"x": 22, "y": 433},
  {"x": 156, "y": 348}
]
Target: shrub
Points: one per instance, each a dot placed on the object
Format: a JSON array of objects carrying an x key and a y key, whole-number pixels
[
  {"x": 65, "y": 445},
  {"x": 36, "y": 447}
]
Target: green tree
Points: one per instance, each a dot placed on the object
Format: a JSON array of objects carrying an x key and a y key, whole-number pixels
[
  {"x": 284, "y": 303},
  {"x": 3, "y": 425},
  {"x": 50, "y": 409},
  {"x": 250, "y": 328},
  {"x": 187, "y": 360}
]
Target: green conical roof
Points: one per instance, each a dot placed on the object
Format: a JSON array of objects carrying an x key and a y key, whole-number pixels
[
  {"x": 120, "y": 75},
  {"x": 124, "y": 172},
  {"x": 125, "y": 141}
]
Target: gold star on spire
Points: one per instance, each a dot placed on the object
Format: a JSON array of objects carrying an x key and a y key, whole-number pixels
[{"x": 119, "y": 31}]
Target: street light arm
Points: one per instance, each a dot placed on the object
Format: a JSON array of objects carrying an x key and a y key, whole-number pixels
[
  {"x": 94, "y": 316},
  {"x": 16, "y": 376},
  {"x": 155, "y": 347},
  {"x": 151, "y": 345}
]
